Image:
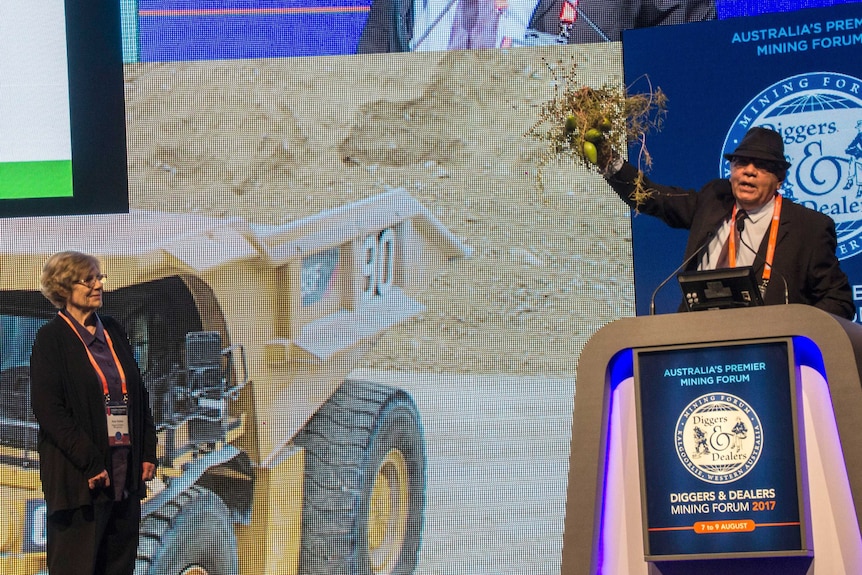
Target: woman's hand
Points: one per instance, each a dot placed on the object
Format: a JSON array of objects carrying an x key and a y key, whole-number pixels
[
  {"x": 149, "y": 471},
  {"x": 99, "y": 481}
]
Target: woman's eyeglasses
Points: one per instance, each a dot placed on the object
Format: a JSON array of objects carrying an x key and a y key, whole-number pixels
[{"x": 90, "y": 281}]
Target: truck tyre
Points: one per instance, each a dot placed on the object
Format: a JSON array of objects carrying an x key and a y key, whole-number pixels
[
  {"x": 191, "y": 535},
  {"x": 364, "y": 485}
]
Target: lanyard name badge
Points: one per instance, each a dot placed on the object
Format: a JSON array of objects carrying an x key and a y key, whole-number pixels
[
  {"x": 118, "y": 425},
  {"x": 116, "y": 412}
]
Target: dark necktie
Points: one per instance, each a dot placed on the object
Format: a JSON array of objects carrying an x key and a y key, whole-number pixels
[{"x": 724, "y": 256}]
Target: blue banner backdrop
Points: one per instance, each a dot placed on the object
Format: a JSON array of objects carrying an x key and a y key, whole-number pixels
[{"x": 799, "y": 73}]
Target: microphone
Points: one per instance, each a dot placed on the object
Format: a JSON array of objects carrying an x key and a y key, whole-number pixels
[
  {"x": 740, "y": 225},
  {"x": 679, "y": 268},
  {"x": 740, "y": 222}
]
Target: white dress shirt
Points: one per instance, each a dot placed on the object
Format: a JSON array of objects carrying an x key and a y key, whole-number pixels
[{"x": 756, "y": 225}]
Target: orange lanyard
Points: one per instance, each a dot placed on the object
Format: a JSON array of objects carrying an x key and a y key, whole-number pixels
[
  {"x": 773, "y": 238},
  {"x": 95, "y": 364}
]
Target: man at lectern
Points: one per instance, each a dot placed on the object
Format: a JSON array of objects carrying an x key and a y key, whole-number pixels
[{"x": 744, "y": 221}]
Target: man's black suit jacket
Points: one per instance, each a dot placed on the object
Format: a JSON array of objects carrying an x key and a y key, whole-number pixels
[
  {"x": 804, "y": 254},
  {"x": 390, "y": 22}
]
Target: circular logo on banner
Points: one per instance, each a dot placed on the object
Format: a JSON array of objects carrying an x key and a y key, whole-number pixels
[
  {"x": 718, "y": 438},
  {"x": 819, "y": 115}
]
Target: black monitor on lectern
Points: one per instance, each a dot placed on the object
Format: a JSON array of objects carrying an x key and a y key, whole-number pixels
[{"x": 720, "y": 289}]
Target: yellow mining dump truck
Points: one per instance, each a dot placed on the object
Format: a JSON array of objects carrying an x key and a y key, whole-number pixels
[{"x": 270, "y": 461}]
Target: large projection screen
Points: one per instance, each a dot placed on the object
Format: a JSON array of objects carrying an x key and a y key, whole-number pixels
[{"x": 233, "y": 165}]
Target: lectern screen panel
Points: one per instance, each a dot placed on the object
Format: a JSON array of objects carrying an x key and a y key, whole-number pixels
[{"x": 719, "y": 454}]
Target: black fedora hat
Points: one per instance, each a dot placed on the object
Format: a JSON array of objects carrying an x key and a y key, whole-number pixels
[{"x": 761, "y": 144}]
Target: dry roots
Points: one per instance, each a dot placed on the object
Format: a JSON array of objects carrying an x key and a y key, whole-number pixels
[{"x": 593, "y": 125}]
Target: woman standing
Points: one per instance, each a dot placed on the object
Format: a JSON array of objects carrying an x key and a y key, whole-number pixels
[{"x": 97, "y": 441}]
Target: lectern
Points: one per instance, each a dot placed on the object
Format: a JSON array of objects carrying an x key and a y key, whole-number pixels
[{"x": 726, "y": 441}]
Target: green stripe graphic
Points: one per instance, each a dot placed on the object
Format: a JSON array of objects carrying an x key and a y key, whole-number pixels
[{"x": 24, "y": 180}]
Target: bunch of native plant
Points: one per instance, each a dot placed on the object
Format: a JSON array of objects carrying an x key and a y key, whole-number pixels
[{"x": 593, "y": 125}]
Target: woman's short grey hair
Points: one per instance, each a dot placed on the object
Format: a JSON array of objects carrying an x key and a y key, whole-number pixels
[{"x": 61, "y": 271}]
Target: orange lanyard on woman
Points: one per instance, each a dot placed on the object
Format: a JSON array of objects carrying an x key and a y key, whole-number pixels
[
  {"x": 773, "y": 238},
  {"x": 95, "y": 364}
]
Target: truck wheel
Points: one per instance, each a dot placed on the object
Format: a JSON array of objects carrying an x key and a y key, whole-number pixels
[
  {"x": 364, "y": 486},
  {"x": 191, "y": 535}
]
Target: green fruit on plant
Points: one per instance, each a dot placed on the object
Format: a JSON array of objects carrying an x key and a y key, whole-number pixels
[
  {"x": 593, "y": 135},
  {"x": 571, "y": 123},
  {"x": 591, "y": 152},
  {"x": 605, "y": 125}
]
